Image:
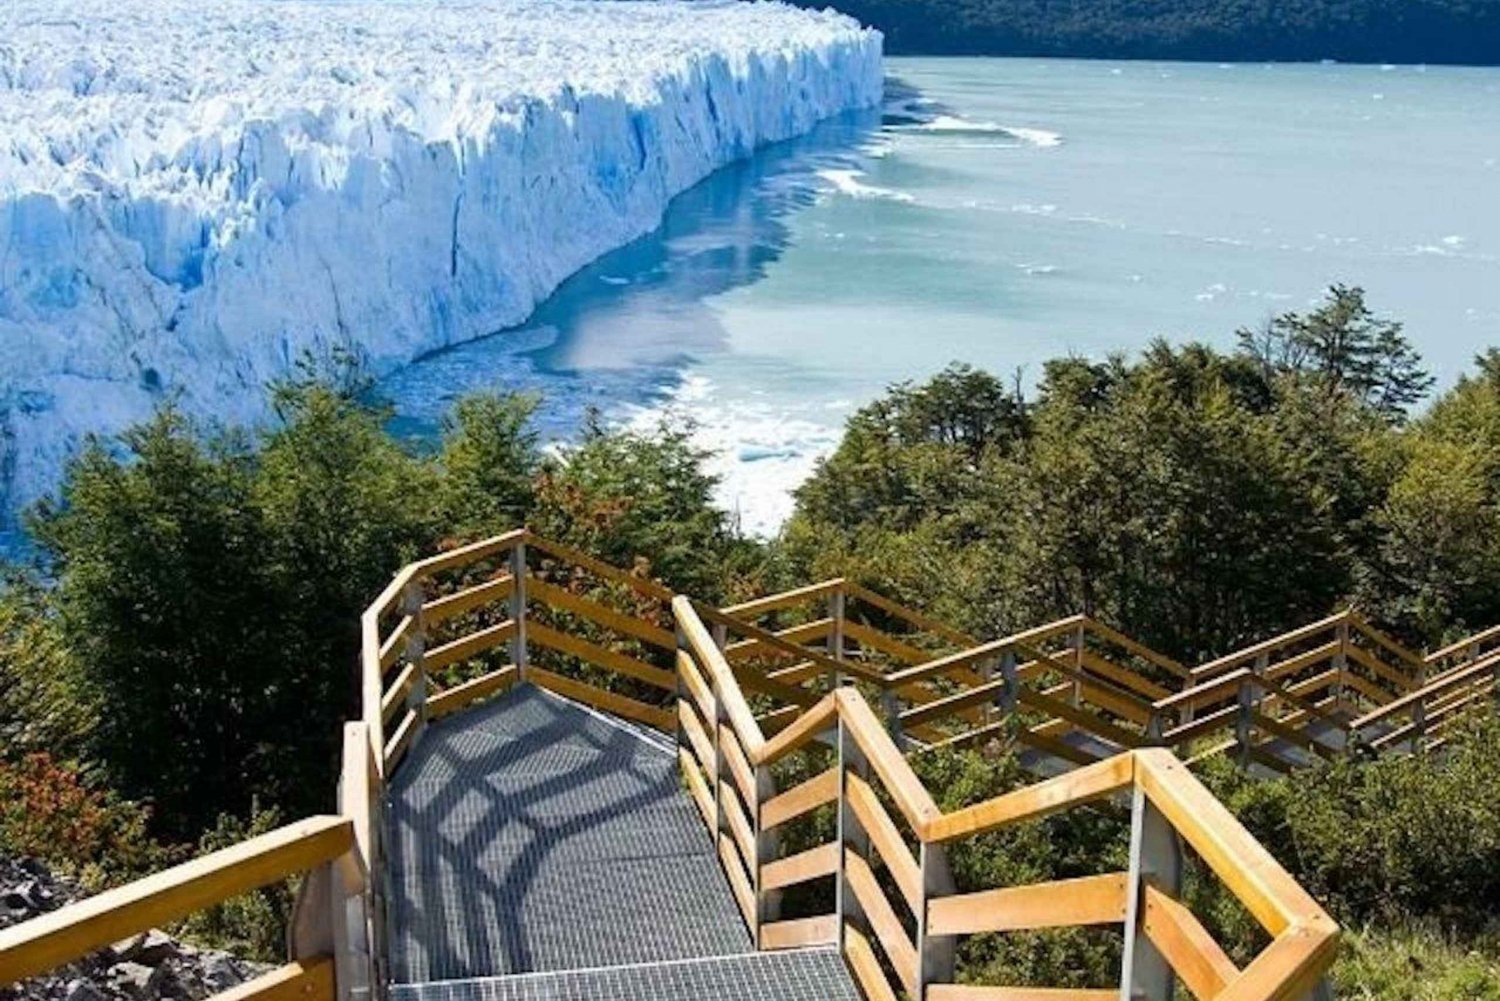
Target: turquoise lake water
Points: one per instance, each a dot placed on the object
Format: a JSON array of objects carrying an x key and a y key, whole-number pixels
[{"x": 1003, "y": 212}]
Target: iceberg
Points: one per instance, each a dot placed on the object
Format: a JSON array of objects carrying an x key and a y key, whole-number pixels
[{"x": 196, "y": 196}]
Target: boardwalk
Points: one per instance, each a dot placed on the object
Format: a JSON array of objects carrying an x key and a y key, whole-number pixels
[{"x": 532, "y": 836}]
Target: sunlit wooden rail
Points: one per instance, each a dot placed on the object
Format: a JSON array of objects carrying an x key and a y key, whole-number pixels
[
  {"x": 895, "y": 912},
  {"x": 802, "y": 709}
]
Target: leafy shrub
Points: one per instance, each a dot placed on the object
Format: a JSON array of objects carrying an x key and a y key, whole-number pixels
[
  {"x": 252, "y": 925},
  {"x": 48, "y": 811}
]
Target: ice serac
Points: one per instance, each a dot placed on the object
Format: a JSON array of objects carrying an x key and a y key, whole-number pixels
[{"x": 194, "y": 196}]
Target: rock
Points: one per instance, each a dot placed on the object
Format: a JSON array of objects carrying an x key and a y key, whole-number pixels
[
  {"x": 220, "y": 971},
  {"x": 137, "y": 980},
  {"x": 156, "y": 946},
  {"x": 81, "y": 990}
]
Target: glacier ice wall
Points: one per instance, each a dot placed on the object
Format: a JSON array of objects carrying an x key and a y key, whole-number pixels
[{"x": 193, "y": 196}]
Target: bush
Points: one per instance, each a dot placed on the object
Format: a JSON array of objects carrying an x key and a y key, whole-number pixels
[{"x": 48, "y": 811}]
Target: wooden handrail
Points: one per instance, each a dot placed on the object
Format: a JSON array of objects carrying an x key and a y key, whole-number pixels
[
  {"x": 1303, "y": 936},
  {"x": 64, "y": 935},
  {"x": 1477, "y": 639},
  {"x": 1230, "y": 660},
  {"x": 1443, "y": 683}
]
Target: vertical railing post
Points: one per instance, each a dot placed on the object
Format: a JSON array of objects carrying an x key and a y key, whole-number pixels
[
  {"x": 518, "y": 653},
  {"x": 851, "y": 836},
  {"x": 1341, "y": 657},
  {"x": 412, "y": 598},
  {"x": 838, "y": 603},
  {"x": 1243, "y": 727},
  {"x": 1155, "y": 859},
  {"x": 354, "y": 895},
  {"x": 936, "y": 954},
  {"x": 1010, "y": 692},
  {"x": 1075, "y": 642},
  {"x": 890, "y": 708},
  {"x": 767, "y": 850}
]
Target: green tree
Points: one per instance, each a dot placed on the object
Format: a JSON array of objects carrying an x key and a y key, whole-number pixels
[
  {"x": 164, "y": 592},
  {"x": 1342, "y": 348}
]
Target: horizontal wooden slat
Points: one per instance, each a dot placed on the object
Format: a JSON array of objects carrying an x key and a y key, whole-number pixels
[
  {"x": 61, "y": 936},
  {"x": 739, "y": 882},
  {"x": 697, "y": 787},
  {"x": 396, "y": 747},
  {"x": 739, "y": 769},
  {"x": 911, "y": 616},
  {"x": 799, "y": 933},
  {"x": 739, "y": 825},
  {"x": 892, "y": 937},
  {"x": 610, "y": 702},
  {"x": 814, "y": 863},
  {"x": 1186, "y": 945},
  {"x": 602, "y": 657},
  {"x": 868, "y": 636},
  {"x": 698, "y": 740},
  {"x": 393, "y": 645},
  {"x": 801, "y": 731},
  {"x": 595, "y": 612},
  {"x": 1249, "y": 654},
  {"x": 885, "y": 839},
  {"x": 1387, "y": 673},
  {"x": 802, "y": 798},
  {"x": 395, "y": 696},
  {"x": 1084, "y": 785},
  {"x": 469, "y": 646},
  {"x": 806, "y": 632},
  {"x": 1064, "y": 903},
  {"x": 785, "y": 599},
  {"x": 301, "y": 980},
  {"x": 604, "y": 571},
  {"x": 458, "y": 696},
  {"x": 452, "y": 605},
  {"x": 697, "y": 688},
  {"x": 860, "y": 956}
]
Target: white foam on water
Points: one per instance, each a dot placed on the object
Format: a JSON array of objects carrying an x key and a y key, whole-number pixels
[
  {"x": 848, "y": 182},
  {"x": 759, "y": 451}
]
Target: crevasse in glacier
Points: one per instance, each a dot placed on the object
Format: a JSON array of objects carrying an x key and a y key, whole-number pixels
[{"x": 195, "y": 195}]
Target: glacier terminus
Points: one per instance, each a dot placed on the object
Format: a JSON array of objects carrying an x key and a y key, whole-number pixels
[{"x": 194, "y": 197}]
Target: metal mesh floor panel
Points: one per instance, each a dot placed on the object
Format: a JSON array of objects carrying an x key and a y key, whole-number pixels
[
  {"x": 530, "y": 835},
  {"x": 800, "y": 975}
]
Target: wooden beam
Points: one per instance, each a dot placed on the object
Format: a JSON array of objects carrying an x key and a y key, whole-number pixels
[
  {"x": 1064, "y": 903},
  {"x": 62, "y": 936}
]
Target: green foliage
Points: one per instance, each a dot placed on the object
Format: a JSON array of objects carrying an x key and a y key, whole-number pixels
[
  {"x": 1341, "y": 349},
  {"x": 253, "y": 925},
  {"x": 1416, "y": 963},
  {"x": 1437, "y": 566},
  {"x": 1389, "y": 840},
  {"x": 490, "y": 462},
  {"x": 44, "y": 702},
  {"x": 1073, "y": 843},
  {"x": 1417, "y": 31},
  {"x": 210, "y": 582},
  {"x": 52, "y": 812},
  {"x": 639, "y": 500}
]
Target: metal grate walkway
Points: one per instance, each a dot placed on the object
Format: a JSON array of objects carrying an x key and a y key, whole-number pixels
[{"x": 533, "y": 836}]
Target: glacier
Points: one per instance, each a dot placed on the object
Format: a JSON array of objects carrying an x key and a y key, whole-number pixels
[{"x": 195, "y": 196}]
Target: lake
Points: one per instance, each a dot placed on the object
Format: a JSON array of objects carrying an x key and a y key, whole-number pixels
[{"x": 1003, "y": 212}]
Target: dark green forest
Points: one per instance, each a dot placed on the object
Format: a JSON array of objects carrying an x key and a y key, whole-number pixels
[
  {"x": 1364, "y": 31},
  {"x": 173, "y": 676}
]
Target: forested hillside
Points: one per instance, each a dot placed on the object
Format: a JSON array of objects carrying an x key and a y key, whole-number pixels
[{"x": 1394, "y": 31}]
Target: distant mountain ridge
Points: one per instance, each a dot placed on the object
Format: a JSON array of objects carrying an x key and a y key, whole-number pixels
[{"x": 1366, "y": 31}]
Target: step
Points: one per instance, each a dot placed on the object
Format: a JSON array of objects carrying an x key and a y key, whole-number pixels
[{"x": 791, "y": 975}]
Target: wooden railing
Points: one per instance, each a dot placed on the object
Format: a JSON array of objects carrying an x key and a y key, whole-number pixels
[
  {"x": 794, "y": 714},
  {"x": 322, "y": 946},
  {"x": 1076, "y": 691},
  {"x": 731, "y": 764}
]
